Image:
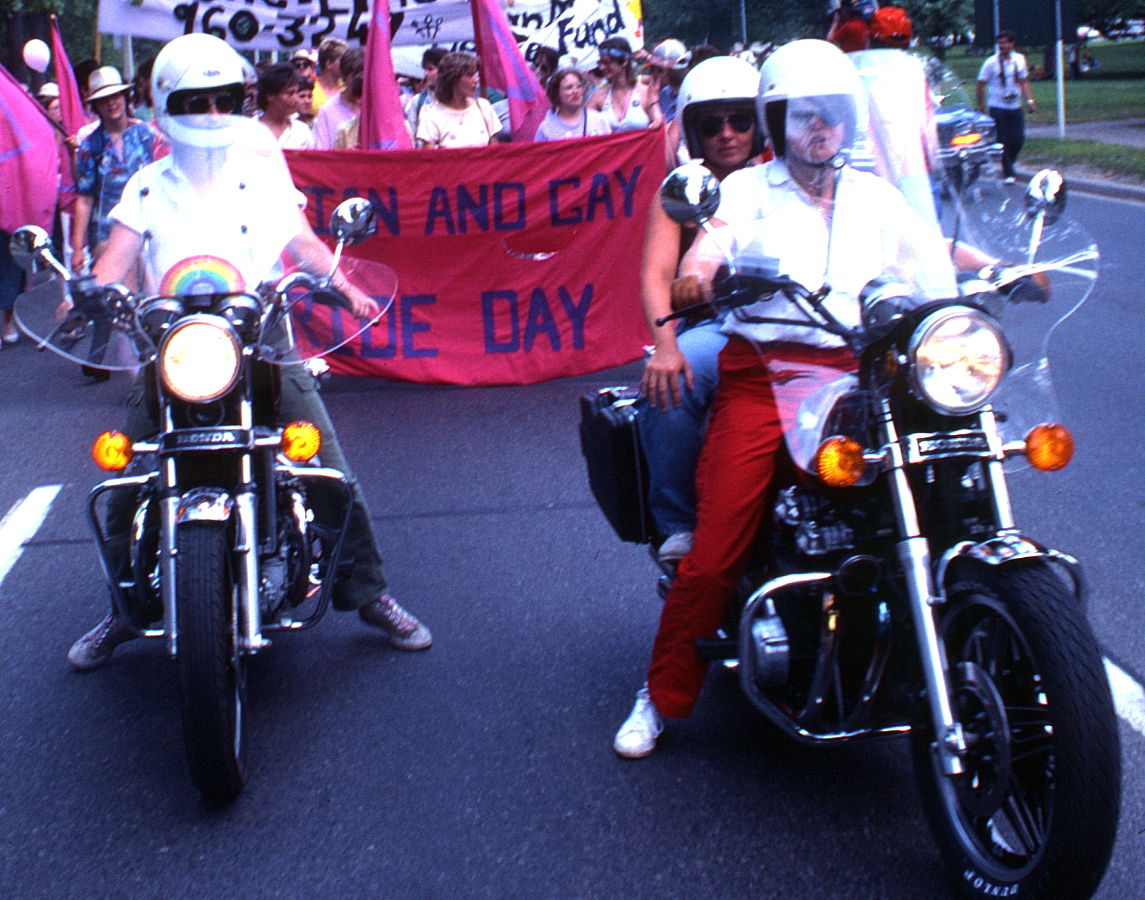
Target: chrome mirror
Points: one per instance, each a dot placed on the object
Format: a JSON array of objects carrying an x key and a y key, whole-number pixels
[
  {"x": 690, "y": 194},
  {"x": 1046, "y": 194},
  {"x": 353, "y": 221}
]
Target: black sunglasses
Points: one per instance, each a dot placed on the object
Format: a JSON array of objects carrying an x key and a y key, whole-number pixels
[
  {"x": 711, "y": 125},
  {"x": 196, "y": 103}
]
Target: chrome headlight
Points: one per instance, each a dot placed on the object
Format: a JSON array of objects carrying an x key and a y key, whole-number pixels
[
  {"x": 958, "y": 357},
  {"x": 200, "y": 358}
]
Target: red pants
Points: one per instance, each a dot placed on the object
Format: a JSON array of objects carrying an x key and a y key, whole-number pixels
[{"x": 732, "y": 478}]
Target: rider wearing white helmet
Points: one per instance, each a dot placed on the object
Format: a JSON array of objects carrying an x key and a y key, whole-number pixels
[
  {"x": 811, "y": 217},
  {"x": 223, "y": 200},
  {"x": 717, "y": 110}
]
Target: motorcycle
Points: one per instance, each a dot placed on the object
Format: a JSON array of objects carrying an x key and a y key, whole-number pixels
[
  {"x": 894, "y": 594},
  {"x": 224, "y": 527}
]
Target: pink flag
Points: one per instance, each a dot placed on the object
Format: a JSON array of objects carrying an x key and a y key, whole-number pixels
[
  {"x": 29, "y": 171},
  {"x": 382, "y": 126},
  {"x": 503, "y": 67},
  {"x": 71, "y": 103}
]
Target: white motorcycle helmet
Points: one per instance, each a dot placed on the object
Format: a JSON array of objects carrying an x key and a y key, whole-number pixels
[
  {"x": 806, "y": 68},
  {"x": 198, "y": 85},
  {"x": 719, "y": 81}
]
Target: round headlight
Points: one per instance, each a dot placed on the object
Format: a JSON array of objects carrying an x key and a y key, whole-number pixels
[
  {"x": 200, "y": 359},
  {"x": 958, "y": 357}
]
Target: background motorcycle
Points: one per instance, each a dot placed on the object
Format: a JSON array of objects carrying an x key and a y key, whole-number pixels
[{"x": 225, "y": 526}]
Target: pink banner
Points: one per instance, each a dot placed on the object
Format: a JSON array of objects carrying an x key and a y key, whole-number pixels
[
  {"x": 29, "y": 165},
  {"x": 382, "y": 126},
  {"x": 71, "y": 103},
  {"x": 516, "y": 263},
  {"x": 503, "y": 67}
]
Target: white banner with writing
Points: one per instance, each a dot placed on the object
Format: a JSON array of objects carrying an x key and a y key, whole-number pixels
[{"x": 572, "y": 27}]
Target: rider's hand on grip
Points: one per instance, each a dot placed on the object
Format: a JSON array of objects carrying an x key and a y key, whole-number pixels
[{"x": 689, "y": 290}]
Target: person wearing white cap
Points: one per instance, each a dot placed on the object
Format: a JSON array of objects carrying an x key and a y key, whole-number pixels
[
  {"x": 667, "y": 68},
  {"x": 49, "y": 97},
  {"x": 107, "y": 156}
]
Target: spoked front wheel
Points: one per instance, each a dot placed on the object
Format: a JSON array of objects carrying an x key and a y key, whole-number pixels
[
  {"x": 212, "y": 678},
  {"x": 1035, "y": 812}
]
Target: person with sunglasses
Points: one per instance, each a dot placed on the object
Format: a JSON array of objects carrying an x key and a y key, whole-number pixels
[
  {"x": 223, "y": 201},
  {"x": 628, "y": 104},
  {"x": 810, "y": 216},
  {"x": 720, "y": 129}
]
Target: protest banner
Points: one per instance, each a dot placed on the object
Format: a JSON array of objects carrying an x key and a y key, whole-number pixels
[
  {"x": 29, "y": 161},
  {"x": 516, "y": 264},
  {"x": 572, "y": 27}
]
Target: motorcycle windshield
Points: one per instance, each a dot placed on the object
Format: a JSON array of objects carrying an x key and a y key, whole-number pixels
[
  {"x": 99, "y": 332},
  {"x": 1051, "y": 264},
  {"x": 313, "y": 323}
]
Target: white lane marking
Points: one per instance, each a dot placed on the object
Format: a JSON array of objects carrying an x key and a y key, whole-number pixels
[
  {"x": 1128, "y": 697},
  {"x": 21, "y": 522}
]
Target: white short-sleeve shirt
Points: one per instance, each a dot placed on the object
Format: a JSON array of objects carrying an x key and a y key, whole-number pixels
[
  {"x": 871, "y": 232},
  {"x": 227, "y": 238}
]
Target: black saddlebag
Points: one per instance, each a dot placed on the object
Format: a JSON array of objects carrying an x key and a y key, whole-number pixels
[{"x": 617, "y": 471}]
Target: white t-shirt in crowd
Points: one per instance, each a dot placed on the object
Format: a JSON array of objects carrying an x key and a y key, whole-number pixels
[
  {"x": 1004, "y": 94},
  {"x": 475, "y": 126}
]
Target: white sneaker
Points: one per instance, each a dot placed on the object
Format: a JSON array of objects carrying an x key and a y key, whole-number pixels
[
  {"x": 1009, "y": 179},
  {"x": 637, "y": 736},
  {"x": 676, "y": 547}
]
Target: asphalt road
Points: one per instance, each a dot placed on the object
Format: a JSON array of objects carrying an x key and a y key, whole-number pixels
[{"x": 483, "y": 767}]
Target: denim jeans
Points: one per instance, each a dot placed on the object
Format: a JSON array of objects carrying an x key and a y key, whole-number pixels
[{"x": 672, "y": 438}]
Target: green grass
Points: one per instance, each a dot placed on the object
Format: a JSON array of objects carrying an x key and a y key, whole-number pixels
[
  {"x": 1109, "y": 159},
  {"x": 1116, "y": 90}
]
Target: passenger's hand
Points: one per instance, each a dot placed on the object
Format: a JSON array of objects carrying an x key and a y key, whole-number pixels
[
  {"x": 79, "y": 260},
  {"x": 661, "y": 382},
  {"x": 689, "y": 290}
]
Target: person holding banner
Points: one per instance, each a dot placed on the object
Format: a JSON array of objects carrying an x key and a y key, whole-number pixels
[
  {"x": 457, "y": 117},
  {"x": 223, "y": 199},
  {"x": 569, "y": 117},
  {"x": 627, "y": 103},
  {"x": 340, "y": 109}
]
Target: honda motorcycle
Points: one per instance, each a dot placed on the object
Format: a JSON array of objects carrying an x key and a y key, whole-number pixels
[
  {"x": 892, "y": 592},
  {"x": 224, "y": 527}
]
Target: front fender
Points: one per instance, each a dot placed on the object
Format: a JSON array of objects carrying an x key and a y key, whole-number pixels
[
  {"x": 205, "y": 504},
  {"x": 1009, "y": 548}
]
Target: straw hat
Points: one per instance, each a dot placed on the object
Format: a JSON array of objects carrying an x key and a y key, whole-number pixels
[{"x": 105, "y": 82}]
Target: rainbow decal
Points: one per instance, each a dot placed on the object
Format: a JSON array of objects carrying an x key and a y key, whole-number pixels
[{"x": 201, "y": 275}]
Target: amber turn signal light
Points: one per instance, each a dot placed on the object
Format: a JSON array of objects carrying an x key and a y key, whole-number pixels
[
  {"x": 301, "y": 441},
  {"x": 112, "y": 451},
  {"x": 1049, "y": 447},
  {"x": 839, "y": 461},
  {"x": 965, "y": 140}
]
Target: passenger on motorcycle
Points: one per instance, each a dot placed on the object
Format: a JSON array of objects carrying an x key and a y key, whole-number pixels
[
  {"x": 223, "y": 201},
  {"x": 817, "y": 220},
  {"x": 720, "y": 128}
]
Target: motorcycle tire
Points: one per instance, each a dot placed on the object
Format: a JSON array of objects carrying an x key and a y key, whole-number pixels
[
  {"x": 212, "y": 678},
  {"x": 1035, "y": 812}
]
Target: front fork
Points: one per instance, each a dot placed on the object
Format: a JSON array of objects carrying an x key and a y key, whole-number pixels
[{"x": 924, "y": 595}]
